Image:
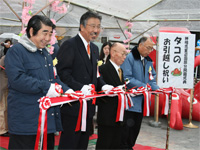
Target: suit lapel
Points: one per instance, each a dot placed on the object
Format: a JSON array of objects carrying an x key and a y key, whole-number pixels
[
  {"x": 113, "y": 73},
  {"x": 84, "y": 54}
]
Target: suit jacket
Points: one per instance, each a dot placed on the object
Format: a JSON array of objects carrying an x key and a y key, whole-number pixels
[
  {"x": 107, "y": 106},
  {"x": 134, "y": 71},
  {"x": 76, "y": 69}
]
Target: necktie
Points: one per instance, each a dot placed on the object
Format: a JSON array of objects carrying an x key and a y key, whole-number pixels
[
  {"x": 88, "y": 49},
  {"x": 120, "y": 74}
]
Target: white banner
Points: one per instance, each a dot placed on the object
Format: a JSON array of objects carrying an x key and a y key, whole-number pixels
[{"x": 176, "y": 60}]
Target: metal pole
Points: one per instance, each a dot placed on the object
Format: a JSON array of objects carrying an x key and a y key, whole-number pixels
[
  {"x": 156, "y": 110},
  {"x": 190, "y": 125},
  {"x": 168, "y": 125}
]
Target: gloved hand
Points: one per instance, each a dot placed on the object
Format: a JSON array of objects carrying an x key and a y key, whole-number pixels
[
  {"x": 52, "y": 92},
  {"x": 86, "y": 89},
  {"x": 107, "y": 88},
  {"x": 69, "y": 91},
  {"x": 121, "y": 87}
]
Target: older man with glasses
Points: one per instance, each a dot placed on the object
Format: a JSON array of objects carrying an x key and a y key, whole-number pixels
[
  {"x": 138, "y": 68},
  {"x": 77, "y": 67}
]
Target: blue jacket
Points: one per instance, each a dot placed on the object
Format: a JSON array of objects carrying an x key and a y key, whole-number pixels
[
  {"x": 133, "y": 70},
  {"x": 30, "y": 73}
]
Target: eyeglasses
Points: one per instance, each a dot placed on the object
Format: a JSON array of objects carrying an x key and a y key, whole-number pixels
[
  {"x": 149, "y": 48},
  {"x": 123, "y": 53},
  {"x": 94, "y": 26}
]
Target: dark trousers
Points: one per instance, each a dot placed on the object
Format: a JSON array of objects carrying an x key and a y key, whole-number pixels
[
  {"x": 131, "y": 129},
  {"x": 109, "y": 137},
  {"x": 27, "y": 142},
  {"x": 70, "y": 139}
]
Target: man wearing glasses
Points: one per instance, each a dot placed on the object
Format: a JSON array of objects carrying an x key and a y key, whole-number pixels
[
  {"x": 77, "y": 67},
  {"x": 110, "y": 131},
  {"x": 138, "y": 68}
]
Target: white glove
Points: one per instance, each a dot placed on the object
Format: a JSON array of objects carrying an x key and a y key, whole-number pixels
[
  {"x": 69, "y": 91},
  {"x": 121, "y": 87},
  {"x": 86, "y": 89},
  {"x": 107, "y": 88},
  {"x": 52, "y": 91}
]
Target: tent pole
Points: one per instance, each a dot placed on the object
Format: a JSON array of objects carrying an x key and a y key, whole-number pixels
[
  {"x": 165, "y": 20},
  {"x": 13, "y": 11},
  {"x": 144, "y": 32},
  {"x": 43, "y": 8},
  {"x": 145, "y": 10},
  {"x": 76, "y": 4},
  {"x": 121, "y": 29}
]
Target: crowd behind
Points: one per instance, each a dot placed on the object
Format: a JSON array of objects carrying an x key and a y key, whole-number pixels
[{"x": 28, "y": 73}]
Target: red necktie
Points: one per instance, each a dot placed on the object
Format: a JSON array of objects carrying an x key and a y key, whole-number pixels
[{"x": 88, "y": 49}]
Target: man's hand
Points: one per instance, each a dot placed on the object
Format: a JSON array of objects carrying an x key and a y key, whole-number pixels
[
  {"x": 69, "y": 91},
  {"x": 107, "y": 88},
  {"x": 53, "y": 92},
  {"x": 86, "y": 89}
]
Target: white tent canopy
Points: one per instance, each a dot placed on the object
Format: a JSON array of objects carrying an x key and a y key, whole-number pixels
[{"x": 147, "y": 15}]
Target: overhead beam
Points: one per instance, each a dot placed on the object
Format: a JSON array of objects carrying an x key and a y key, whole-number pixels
[
  {"x": 144, "y": 32},
  {"x": 43, "y": 8},
  {"x": 145, "y": 10},
  {"x": 76, "y": 4},
  {"x": 164, "y": 20},
  {"x": 13, "y": 10}
]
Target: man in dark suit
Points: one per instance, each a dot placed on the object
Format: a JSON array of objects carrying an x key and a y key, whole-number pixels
[
  {"x": 77, "y": 67},
  {"x": 110, "y": 131}
]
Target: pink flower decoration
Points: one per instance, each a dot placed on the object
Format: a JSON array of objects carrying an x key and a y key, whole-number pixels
[
  {"x": 128, "y": 33},
  {"x": 128, "y": 50},
  {"x": 126, "y": 46},
  {"x": 53, "y": 38},
  {"x": 25, "y": 19},
  {"x": 126, "y": 41},
  {"x": 30, "y": 1},
  {"x": 54, "y": 21},
  {"x": 62, "y": 9},
  {"x": 51, "y": 50},
  {"x": 23, "y": 31},
  {"x": 54, "y": 5},
  {"x": 129, "y": 24}
]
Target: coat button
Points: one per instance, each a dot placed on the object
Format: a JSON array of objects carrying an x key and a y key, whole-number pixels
[
  {"x": 45, "y": 65},
  {"x": 49, "y": 64},
  {"x": 52, "y": 114}
]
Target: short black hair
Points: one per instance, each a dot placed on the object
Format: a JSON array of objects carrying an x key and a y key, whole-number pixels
[
  {"x": 8, "y": 40},
  {"x": 143, "y": 39},
  {"x": 89, "y": 14},
  {"x": 36, "y": 23}
]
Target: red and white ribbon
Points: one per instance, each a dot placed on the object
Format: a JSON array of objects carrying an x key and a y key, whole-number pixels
[
  {"x": 144, "y": 91},
  {"x": 45, "y": 103},
  {"x": 120, "y": 107},
  {"x": 129, "y": 102},
  {"x": 150, "y": 75},
  {"x": 124, "y": 101},
  {"x": 58, "y": 88}
]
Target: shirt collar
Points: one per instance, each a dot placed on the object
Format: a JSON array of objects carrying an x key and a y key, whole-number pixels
[
  {"x": 115, "y": 66},
  {"x": 84, "y": 41},
  {"x": 141, "y": 57}
]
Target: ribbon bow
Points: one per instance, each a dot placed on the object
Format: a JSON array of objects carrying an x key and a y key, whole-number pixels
[{"x": 45, "y": 103}]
